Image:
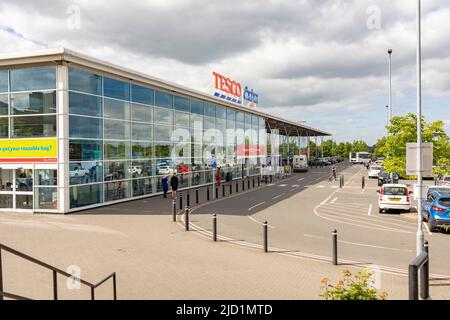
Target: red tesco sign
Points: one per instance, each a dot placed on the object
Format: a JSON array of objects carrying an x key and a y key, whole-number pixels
[{"x": 227, "y": 85}]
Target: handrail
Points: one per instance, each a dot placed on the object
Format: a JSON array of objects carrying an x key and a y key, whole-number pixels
[{"x": 55, "y": 271}]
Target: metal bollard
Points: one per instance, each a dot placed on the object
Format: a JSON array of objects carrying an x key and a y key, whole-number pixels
[
  {"x": 334, "y": 247},
  {"x": 363, "y": 182},
  {"x": 188, "y": 199},
  {"x": 207, "y": 193},
  {"x": 425, "y": 275},
  {"x": 248, "y": 183},
  {"x": 214, "y": 227},
  {"x": 217, "y": 192},
  {"x": 253, "y": 182},
  {"x": 237, "y": 186},
  {"x": 174, "y": 210},
  {"x": 243, "y": 185},
  {"x": 266, "y": 242},
  {"x": 196, "y": 196},
  {"x": 223, "y": 190},
  {"x": 259, "y": 181},
  {"x": 231, "y": 188},
  {"x": 186, "y": 218},
  {"x": 343, "y": 180},
  {"x": 181, "y": 201}
]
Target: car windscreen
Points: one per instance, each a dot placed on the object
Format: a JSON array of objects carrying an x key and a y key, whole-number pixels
[
  {"x": 395, "y": 191},
  {"x": 445, "y": 202},
  {"x": 446, "y": 179},
  {"x": 376, "y": 168}
]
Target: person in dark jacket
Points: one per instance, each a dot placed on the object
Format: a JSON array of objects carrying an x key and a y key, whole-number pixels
[
  {"x": 174, "y": 185},
  {"x": 165, "y": 185}
]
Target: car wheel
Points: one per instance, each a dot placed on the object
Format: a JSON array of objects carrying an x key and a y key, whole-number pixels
[
  {"x": 380, "y": 210},
  {"x": 431, "y": 225}
]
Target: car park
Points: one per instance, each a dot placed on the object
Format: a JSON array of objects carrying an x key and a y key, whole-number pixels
[
  {"x": 374, "y": 171},
  {"x": 436, "y": 209},
  {"x": 384, "y": 177},
  {"x": 394, "y": 197}
]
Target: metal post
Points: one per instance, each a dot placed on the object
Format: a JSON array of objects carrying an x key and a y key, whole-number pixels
[
  {"x": 248, "y": 182},
  {"x": 92, "y": 293},
  {"x": 55, "y": 285},
  {"x": 259, "y": 181},
  {"x": 334, "y": 247},
  {"x": 237, "y": 186},
  {"x": 223, "y": 190},
  {"x": 207, "y": 193},
  {"x": 217, "y": 192},
  {"x": 363, "y": 182},
  {"x": 115, "y": 286},
  {"x": 390, "y": 83},
  {"x": 188, "y": 199},
  {"x": 231, "y": 188},
  {"x": 253, "y": 182},
  {"x": 174, "y": 210},
  {"x": 413, "y": 282},
  {"x": 181, "y": 201},
  {"x": 196, "y": 196},
  {"x": 186, "y": 218},
  {"x": 340, "y": 182},
  {"x": 1, "y": 276},
  {"x": 425, "y": 275},
  {"x": 266, "y": 242},
  {"x": 214, "y": 227},
  {"x": 243, "y": 185},
  {"x": 420, "y": 236}
]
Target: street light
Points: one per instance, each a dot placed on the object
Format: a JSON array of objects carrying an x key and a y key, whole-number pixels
[
  {"x": 387, "y": 122},
  {"x": 420, "y": 237},
  {"x": 390, "y": 83}
]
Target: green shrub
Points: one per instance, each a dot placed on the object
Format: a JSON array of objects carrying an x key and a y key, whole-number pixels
[{"x": 359, "y": 287}]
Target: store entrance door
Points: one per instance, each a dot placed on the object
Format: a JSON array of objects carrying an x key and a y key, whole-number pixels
[{"x": 16, "y": 189}]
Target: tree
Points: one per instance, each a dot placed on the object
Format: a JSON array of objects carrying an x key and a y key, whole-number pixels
[{"x": 403, "y": 129}]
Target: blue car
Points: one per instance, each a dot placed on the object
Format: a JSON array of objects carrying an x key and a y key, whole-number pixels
[{"x": 436, "y": 209}]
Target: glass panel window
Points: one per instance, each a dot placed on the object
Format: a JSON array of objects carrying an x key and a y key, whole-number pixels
[
  {"x": 221, "y": 112},
  {"x": 117, "y": 150},
  {"x": 24, "y": 202},
  {"x": 3, "y": 81},
  {"x": 85, "y": 172},
  {"x": 210, "y": 110},
  {"x": 4, "y": 104},
  {"x": 116, "y": 89},
  {"x": 182, "y": 104},
  {"x": 47, "y": 198},
  {"x": 6, "y": 201},
  {"x": 240, "y": 117},
  {"x": 141, "y": 113},
  {"x": 115, "y": 129},
  {"x": 141, "y": 169},
  {"x": 40, "y": 78},
  {"x": 81, "y": 196},
  {"x": 6, "y": 180},
  {"x": 142, "y": 150},
  {"x": 196, "y": 121},
  {"x": 33, "y": 103},
  {"x": 141, "y": 131},
  {"x": 142, "y": 187},
  {"x": 182, "y": 119},
  {"x": 47, "y": 177},
  {"x": 116, "y": 170},
  {"x": 163, "y": 116},
  {"x": 85, "y": 104},
  {"x": 117, "y": 109},
  {"x": 83, "y": 127},
  {"x": 116, "y": 190},
  {"x": 4, "y": 127},
  {"x": 24, "y": 180},
  {"x": 142, "y": 95},
  {"x": 162, "y": 150},
  {"x": 209, "y": 123},
  {"x": 36, "y": 126},
  {"x": 163, "y": 133},
  {"x": 197, "y": 107},
  {"x": 85, "y": 150},
  {"x": 85, "y": 82},
  {"x": 163, "y": 99}
]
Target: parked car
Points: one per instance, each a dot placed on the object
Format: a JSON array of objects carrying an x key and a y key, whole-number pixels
[
  {"x": 444, "y": 181},
  {"x": 374, "y": 171},
  {"x": 78, "y": 172},
  {"x": 164, "y": 169},
  {"x": 436, "y": 209},
  {"x": 394, "y": 197},
  {"x": 384, "y": 177}
]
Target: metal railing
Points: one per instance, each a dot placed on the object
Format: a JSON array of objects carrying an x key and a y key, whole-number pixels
[{"x": 55, "y": 271}]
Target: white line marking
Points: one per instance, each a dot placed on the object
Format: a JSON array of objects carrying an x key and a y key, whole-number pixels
[
  {"x": 276, "y": 197},
  {"x": 426, "y": 228},
  {"x": 301, "y": 179},
  {"x": 358, "y": 244},
  {"x": 259, "y": 222},
  {"x": 334, "y": 200},
  {"x": 282, "y": 185},
  {"x": 321, "y": 186},
  {"x": 295, "y": 186},
  {"x": 370, "y": 210},
  {"x": 256, "y": 205}
]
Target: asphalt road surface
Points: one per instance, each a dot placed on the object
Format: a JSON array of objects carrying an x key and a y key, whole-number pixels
[{"x": 303, "y": 210}]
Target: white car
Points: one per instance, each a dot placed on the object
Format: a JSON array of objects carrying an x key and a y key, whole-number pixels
[
  {"x": 78, "y": 172},
  {"x": 444, "y": 181},
  {"x": 374, "y": 171},
  {"x": 394, "y": 197},
  {"x": 165, "y": 170}
]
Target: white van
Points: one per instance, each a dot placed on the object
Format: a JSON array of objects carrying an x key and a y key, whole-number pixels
[{"x": 300, "y": 163}]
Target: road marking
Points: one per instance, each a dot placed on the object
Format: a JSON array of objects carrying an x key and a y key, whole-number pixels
[
  {"x": 276, "y": 197},
  {"x": 259, "y": 222},
  {"x": 301, "y": 179},
  {"x": 256, "y": 205},
  {"x": 358, "y": 244},
  {"x": 370, "y": 210},
  {"x": 334, "y": 187},
  {"x": 362, "y": 191},
  {"x": 334, "y": 200},
  {"x": 428, "y": 229},
  {"x": 295, "y": 186},
  {"x": 321, "y": 186},
  {"x": 282, "y": 185}
]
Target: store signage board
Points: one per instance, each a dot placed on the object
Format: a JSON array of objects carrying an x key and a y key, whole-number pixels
[
  {"x": 412, "y": 150},
  {"x": 230, "y": 90},
  {"x": 29, "y": 150}
]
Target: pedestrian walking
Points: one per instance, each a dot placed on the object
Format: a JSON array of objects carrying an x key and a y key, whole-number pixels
[
  {"x": 219, "y": 176},
  {"x": 165, "y": 185},
  {"x": 174, "y": 185},
  {"x": 333, "y": 169}
]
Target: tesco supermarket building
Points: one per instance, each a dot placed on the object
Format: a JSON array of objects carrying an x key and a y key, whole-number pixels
[{"x": 78, "y": 133}]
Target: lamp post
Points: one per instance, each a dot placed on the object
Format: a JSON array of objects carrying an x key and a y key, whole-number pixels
[
  {"x": 387, "y": 121},
  {"x": 390, "y": 83},
  {"x": 420, "y": 236}
]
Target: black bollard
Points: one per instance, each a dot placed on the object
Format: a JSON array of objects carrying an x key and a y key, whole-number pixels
[
  {"x": 196, "y": 196},
  {"x": 217, "y": 192},
  {"x": 259, "y": 181},
  {"x": 253, "y": 182},
  {"x": 266, "y": 242},
  {"x": 223, "y": 190},
  {"x": 243, "y": 185},
  {"x": 214, "y": 227},
  {"x": 334, "y": 247},
  {"x": 237, "y": 186},
  {"x": 207, "y": 193},
  {"x": 231, "y": 188},
  {"x": 425, "y": 275},
  {"x": 248, "y": 183},
  {"x": 174, "y": 210},
  {"x": 186, "y": 218},
  {"x": 181, "y": 201},
  {"x": 188, "y": 199}
]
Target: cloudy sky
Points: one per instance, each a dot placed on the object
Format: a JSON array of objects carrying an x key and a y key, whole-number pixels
[{"x": 319, "y": 61}]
